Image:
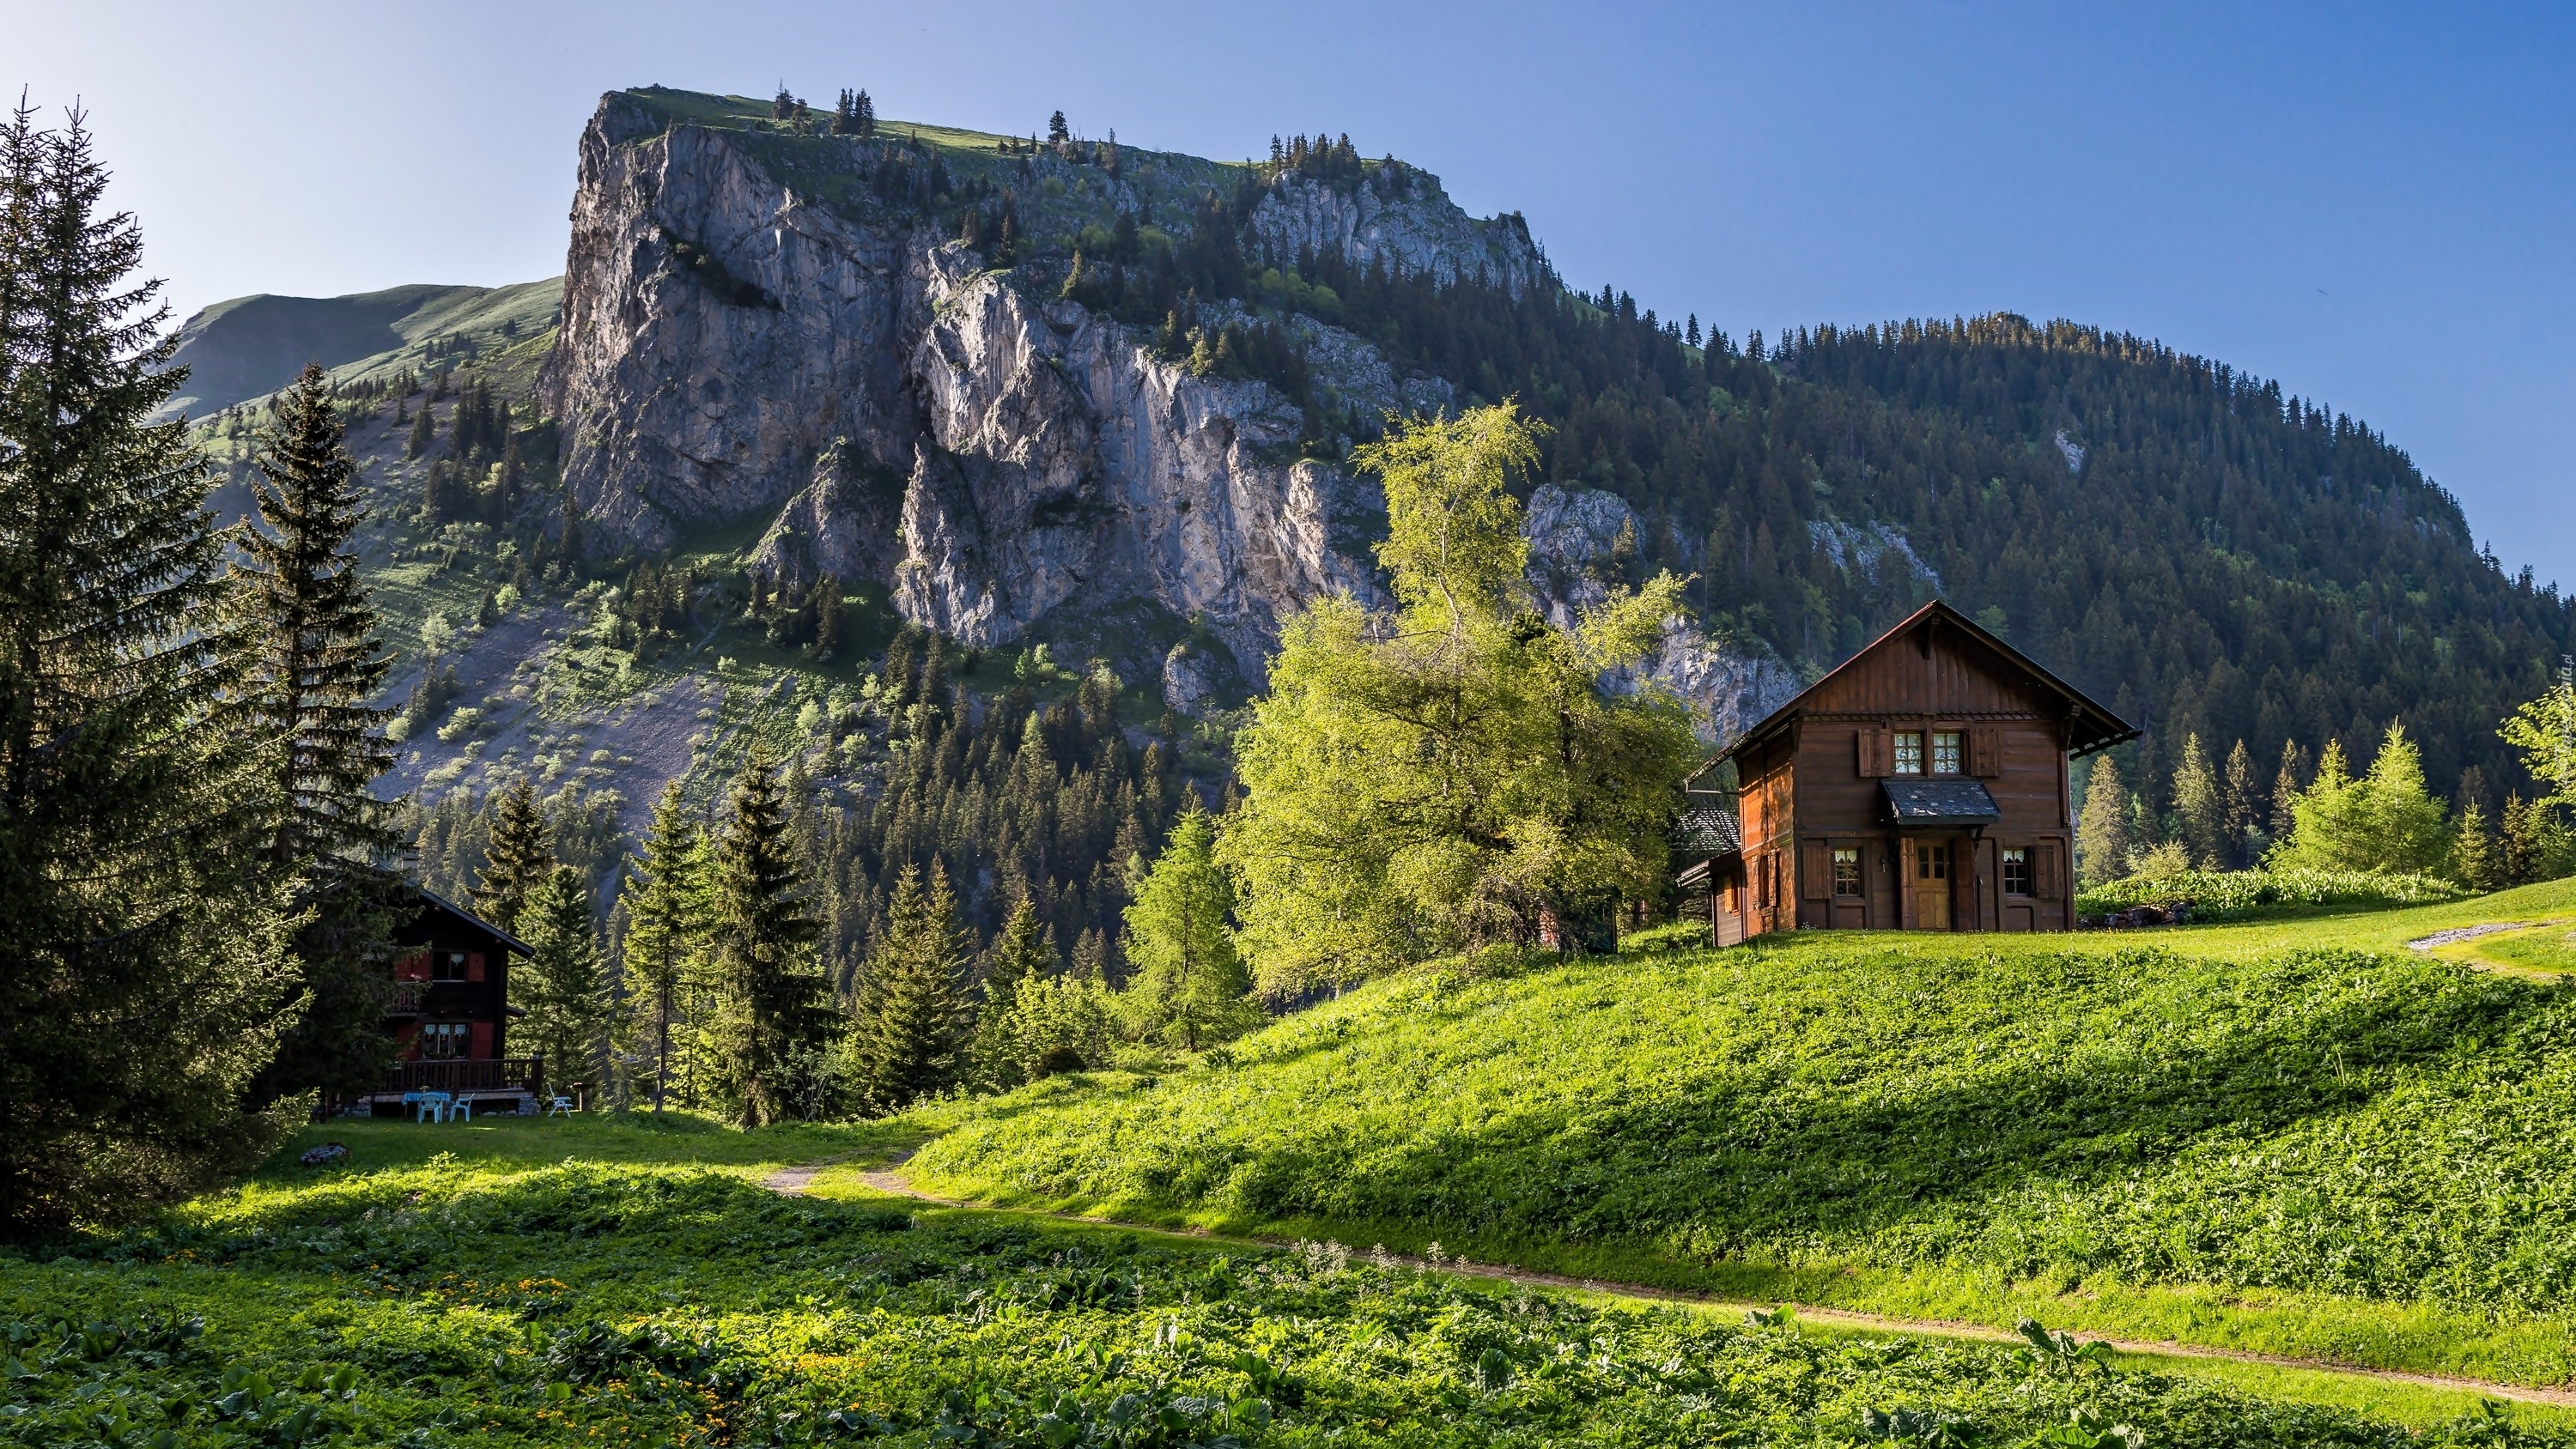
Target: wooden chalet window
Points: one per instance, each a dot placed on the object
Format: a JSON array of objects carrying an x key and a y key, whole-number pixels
[
  {"x": 447, "y": 965},
  {"x": 441, "y": 1040},
  {"x": 2016, "y": 871},
  {"x": 1945, "y": 752},
  {"x": 1846, "y": 870},
  {"x": 1909, "y": 753}
]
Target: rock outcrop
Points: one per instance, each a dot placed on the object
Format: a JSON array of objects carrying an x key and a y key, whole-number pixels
[
  {"x": 730, "y": 348},
  {"x": 1576, "y": 555},
  {"x": 1414, "y": 229}
]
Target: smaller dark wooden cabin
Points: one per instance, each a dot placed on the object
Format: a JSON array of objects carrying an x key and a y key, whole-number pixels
[
  {"x": 451, "y": 1013},
  {"x": 1921, "y": 785}
]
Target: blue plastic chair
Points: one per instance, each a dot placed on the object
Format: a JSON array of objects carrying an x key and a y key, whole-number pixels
[{"x": 433, "y": 1107}]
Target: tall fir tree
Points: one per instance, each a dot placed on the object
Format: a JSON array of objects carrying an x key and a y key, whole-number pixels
[
  {"x": 521, "y": 856},
  {"x": 141, "y": 936},
  {"x": 2200, "y": 813},
  {"x": 773, "y": 991},
  {"x": 2473, "y": 852},
  {"x": 2102, "y": 832},
  {"x": 312, "y": 664},
  {"x": 1023, "y": 952},
  {"x": 913, "y": 1014},
  {"x": 1188, "y": 985},
  {"x": 561, "y": 985},
  {"x": 2239, "y": 799},
  {"x": 667, "y": 913},
  {"x": 424, "y": 433}
]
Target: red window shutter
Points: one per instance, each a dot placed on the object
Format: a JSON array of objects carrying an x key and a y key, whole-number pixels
[
  {"x": 1815, "y": 874},
  {"x": 482, "y": 1048},
  {"x": 473, "y": 965}
]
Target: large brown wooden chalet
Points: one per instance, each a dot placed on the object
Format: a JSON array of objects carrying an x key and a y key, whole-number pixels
[
  {"x": 450, "y": 1013},
  {"x": 1920, "y": 786}
]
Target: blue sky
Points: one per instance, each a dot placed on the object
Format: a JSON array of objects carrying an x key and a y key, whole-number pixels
[{"x": 2375, "y": 205}]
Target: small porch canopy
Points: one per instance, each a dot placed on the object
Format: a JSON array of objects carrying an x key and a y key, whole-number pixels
[{"x": 1940, "y": 804}]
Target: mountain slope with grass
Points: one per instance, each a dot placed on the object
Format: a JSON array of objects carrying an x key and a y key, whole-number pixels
[
  {"x": 2271, "y": 1139},
  {"x": 249, "y": 347}
]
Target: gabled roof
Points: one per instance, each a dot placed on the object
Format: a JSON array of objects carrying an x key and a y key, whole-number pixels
[
  {"x": 2090, "y": 725},
  {"x": 439, "y": 902}
]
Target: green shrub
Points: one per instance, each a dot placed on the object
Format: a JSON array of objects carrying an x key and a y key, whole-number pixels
[{"x": 2230, "y": 895}]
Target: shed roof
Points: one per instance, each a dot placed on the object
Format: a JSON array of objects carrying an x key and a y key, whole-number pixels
[
  {"x": 1944, "y": 801},
  {"x": 1708, "y": 831}
]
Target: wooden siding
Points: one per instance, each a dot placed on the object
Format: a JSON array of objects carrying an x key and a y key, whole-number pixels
[{"x": 1812, "y": 786}]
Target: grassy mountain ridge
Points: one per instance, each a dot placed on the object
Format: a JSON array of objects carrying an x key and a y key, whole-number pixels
[{"x": 246, "y": 348}]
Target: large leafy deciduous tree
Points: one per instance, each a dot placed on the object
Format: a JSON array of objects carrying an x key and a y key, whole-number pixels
[
  {"x": 772, "y": 991},
  {"x": 1189, "y": 985},
  {"x": 141, "y": 938},
  {"x": 1458, "y": 770},
  {"x": 312, "y": 664}
]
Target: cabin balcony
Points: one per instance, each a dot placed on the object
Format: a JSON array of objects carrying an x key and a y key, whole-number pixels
[{"x": 491, "y": 1084}]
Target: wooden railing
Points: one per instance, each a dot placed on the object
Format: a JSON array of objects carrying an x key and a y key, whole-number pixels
[
  {"x": 489, "y": 1074},
  {"x": 407, "y": 998}
]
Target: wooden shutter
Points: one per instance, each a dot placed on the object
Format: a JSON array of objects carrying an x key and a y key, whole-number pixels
[
  {"x": 1985, "y": 751},
  {"x": 2043, "y": 869},
  {"x": 1872, "y": 745},
  {"x": 1815, "y": 871}
]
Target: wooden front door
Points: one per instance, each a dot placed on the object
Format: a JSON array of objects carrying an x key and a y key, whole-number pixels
[{"x": 1931, "y": 882}]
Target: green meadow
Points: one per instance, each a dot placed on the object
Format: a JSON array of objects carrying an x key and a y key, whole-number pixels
[
  {"x": 635, "y": 1284},
  {"x": 2294, "y": 1137}
]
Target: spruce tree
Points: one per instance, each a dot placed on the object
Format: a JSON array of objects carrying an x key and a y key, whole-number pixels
[
  {"x": 141, "y": 940},
  {"x": 2473, "y": 852},
  {"x": 1024, "y": 952},
  {"x": 2102, "y": 831},
  {"x": 312, "y": 663},
  {"x": 1189, "y": 985},
  {"x": 2200, "y": 814},
  {"x": 424, "y": 433},
  {"x": 566, "y": 1001},
  {"x": 522, "y": 855},
  {"x": 2239, "y": 796},
  {"x": 667, "y": 924},
  {"x": 913, "y": 1013},
  {"x": 773, "y": 992}
]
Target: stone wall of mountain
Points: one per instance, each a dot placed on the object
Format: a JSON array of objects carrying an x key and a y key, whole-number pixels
[{"x": 898, "y": 411}]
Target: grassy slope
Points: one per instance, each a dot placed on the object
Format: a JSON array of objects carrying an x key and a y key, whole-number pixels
[
  {"x": 629, "y": 1285},
  {"x": 2292, "y": 1138},
  {"x": 248, "y": 347}
]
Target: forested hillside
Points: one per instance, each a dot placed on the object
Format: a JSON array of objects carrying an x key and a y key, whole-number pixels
[{"x": 2191, "y": 544}]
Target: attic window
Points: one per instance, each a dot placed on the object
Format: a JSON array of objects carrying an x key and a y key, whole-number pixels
[
  {"x": 1945, "y": 752},
  {"x": 1909, "y": 752},
  {"x": 447, "y": 966}
]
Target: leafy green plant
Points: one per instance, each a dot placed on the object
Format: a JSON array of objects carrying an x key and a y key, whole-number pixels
[{"x": 2233, "y": 895}]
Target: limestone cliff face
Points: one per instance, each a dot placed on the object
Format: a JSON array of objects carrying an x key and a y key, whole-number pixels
[
  {"x": 718, "y": 331},
  {"x": 729, "y": 349},
  {"x": 1576, "y": 553},
  {"x": 1414, "y": 229}
]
